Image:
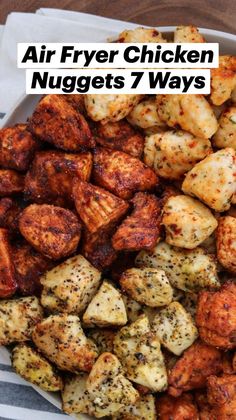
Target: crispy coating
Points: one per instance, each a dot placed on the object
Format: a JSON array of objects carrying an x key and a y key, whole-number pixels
[
  {"x": 8, "y": 280},
  {"x": 98, "y": 249},
  {"x": 11, "y": 182},
  {"x": 226, "y": 243},
  {"x": 188, "y": 34},
  {"x": 187, "y": 222},
  {"x": 181, "y": 408},
  {"x": 49, "y": 179},
  {"x": 18, "y": 318},
  {"x": 144, "y": 115},
  {"x": 97, "y": 208},
  {"x": 223, "y": 79},
  {"x": 216, "y": 317},
  {"x": 120, "y": 135},
  {"x": 110, "y": 108},
  {"x": 174, "y": 152},
  {"x": 143, "y": 409},
  {"x": 51, "y": 230},
  {"x": 61, "y": 339},
  {"x": 17, "y": 147},
  {"x": 9, "y": 214},
  {"x": 191, "y": 371},
  {"x": 56, "y": 122},
  {"x": 34, "y": 368},
  {"x": 221, "y": 394},
  {"x": 140, "y": 230},
  {"x": 141, "y": 34},
  {"x": 213, "y": 180},
  {"x": 226, "y": 133},
  {"x": 191, "y": 112}
]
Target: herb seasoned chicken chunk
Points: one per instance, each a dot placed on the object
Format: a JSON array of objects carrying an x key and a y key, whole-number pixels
[
  {"x": 181, "y": 408},
  {"x": 223, "y": 80},
  {"x": 18, "y": 318},
  {"x": 144, "y": 115},
  {"x": 226, "y": 133},
  {"x": 51, "y": 230},
  {"x": 143, "y": 409},
  {"x": 221, "y": 394},
  {"x": 61, "y": 339},
  {"x": 141, "y": 35},
  {"x": 70, "y": 286},
  {"x": 8, "y": 281},
  {"x": 187, "y": 34},
  {"x": 103, "y": 338},
  {"x": 226, "y": 243},
  {"x": 11, "y": 182},
  {"x": 75, "y": 398}
]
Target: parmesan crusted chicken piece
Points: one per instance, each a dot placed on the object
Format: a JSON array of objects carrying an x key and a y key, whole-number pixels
[
  {"x": 8, "y": 280},
  {"x": 144, "y": 115},
  {"x": 221, "y": 394},
  {"x": 188, "y": 34},
  {"x": 223, "y": 79},
  {"x": 226, "y": 133},
  {"x": 11, "y": 182},
  {"x": 141, "y": 34},
  {"x": 181, "y": 408},
  {"x": 226, "y": 243}
]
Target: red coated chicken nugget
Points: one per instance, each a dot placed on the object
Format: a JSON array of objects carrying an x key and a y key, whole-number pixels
[
  {"x": 181, "y": 408},
  {"x": 9, "y": 214},
  {"x": 226, "y": 242},
  {"x": 11, "y": 182},
  {"x": 8, "y": 283},
  {"x": 98, "y": 249},
  {"x": 221, "y": 394}
]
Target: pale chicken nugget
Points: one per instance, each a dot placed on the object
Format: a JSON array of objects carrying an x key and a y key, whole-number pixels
[
  {"x": 213, "y": 180},
  {"x": 188, "y": 34},
  {"x": 190, "y": 112},
  {"x": 223, "y": 80},
  {"x": 145, "y": 115},
  {"x": 221, "y": 394},
  {"x": 226, "y": 133},
  {"x": 141, "y": 34},
  {"x": 181, "y": 408},
  {"x": 226, "y": 243}
]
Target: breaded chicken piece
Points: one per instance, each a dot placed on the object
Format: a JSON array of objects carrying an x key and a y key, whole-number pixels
[
  {"x": 205, "y": 409},
  {"x": 97, "y": 208},
  {"x": 226, "y": 133},
  {"x": 141, "y": 34},
  {"x": 11, "y": 182},
  {"x": 18, "y": 318},
  {"x": 226, "y": 242},
  {"x": 174, "y": 152},
  {"x": 110, "y": 108},
  {"x": 49, "y": 179},
  {"x": 98, "y": 249},
  {"x": 213, "y": 180},
  {"x": 70, "y": 286},
  {"x": 140, "y": 230},
  {"x": 190, "y": 112},
  {"x": 120, "y": 135},
  {"x": 122, "y": 174},
  {"x": 221, "y": 394},
  {"x": 29, "y": 266},
  {"x": 17, "y": 147},
  {"x": 9, "y": 214},
  {"x": 144, "y": 115},
  {"x": 187, "y": 222},
  {"x": 148, "y": 286},
  {"x": 143, "y": 409},
  {"x": 61, "y": 339},
  {"x": 191, "y": 371},
  {"x": 223, "y": 79},
  {"x": 216, "y": 316},
  {"x": 51, "y": 230},
  {"x": 188, "y": 34},
  {"x": 8, "y": 280},
  {"x": 33, "y": 367},
  {"x": 56, "y": 122},
  {"x": 181, "y": 408}
]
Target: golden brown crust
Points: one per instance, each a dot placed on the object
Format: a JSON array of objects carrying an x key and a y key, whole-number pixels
[
  {"x": 226, "y": 242},
  {"x": 216, "y": 316},
  {"x": 181, "y": 408},
  {"x": 51, "y": 230},
  {"x": 11, "y": 182},
  {"x": 221, "y": 394},
  {"x": 140, "y": 230},
  {"x": 8, "y": 283},
  {"x": 223, "y": 79},
  {"x": 122, "y": 174},
  {"x": 55, "y": 121}
]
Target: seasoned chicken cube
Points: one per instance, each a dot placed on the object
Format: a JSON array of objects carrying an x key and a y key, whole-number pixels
[
  {"x": 106, "y": 308},
  {"x": 140, "y": 230},
  {"x": 181, "y": 408},
  {"x": 108, "y": 388},
  {"x": 103, "y": 338},
  {"x": 188, "y": 270},
  {"x": 175, "y": 329},
  {"x": 97, "y": 208},
  {"x": 120, "y": 135},
  {"x": 205, "y": 409},
  {"x": 226, "y": 133},
  {"x": 76, "y": 101},
  {"x": 8, "y": 280},
  {"x": 216, "y": 316},
  {"x": 98, "y": 249},
  {"x": 50, "y": 177},
  {"x": 187, "y": 34},
  {"x": 189, "y": 302},
  {"x": 70, "y": 286},
  {"x": 9, "y": 214},
  {"x": 122, "y": 174},
  {"x": 144, "y": 115},
  {"x": 61, "y": 339},
  {"x": 56, "y": 122},
  {"x": 148, "y": 286},
  {"x": 110, "y": 108},
  {"x": 221, "y": 394},
  {"x": 75, "y": 397},
  {"x": 34, "y": 368},
  {"x": 143, "y": 409},
  {"x": 187, "y": 222},
  {"x": 141, "y": 34},
  {"x": 226, "y": 243},
  {"x": 17, "y": 147},
  {"x": 18, "y": 318},
  {"x": 191, "y": 371},
  {"x": 223, "y": 80},
  {"x": 51, "y": 230},
  {"x": 11, "y": 182},
  {"x": 133, "y": 308},
  {"x": 173, "y": 153},
  {"x": 213, "y": 180},
  {"x": 139, "y": 352},
  {"x": 191, "y": 112}
]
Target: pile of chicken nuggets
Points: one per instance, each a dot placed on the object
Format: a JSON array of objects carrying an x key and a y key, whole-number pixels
[{"x": 118, "y": 249}]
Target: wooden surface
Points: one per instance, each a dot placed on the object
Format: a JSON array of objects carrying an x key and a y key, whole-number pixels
[{"x": 215, "y": 14}]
